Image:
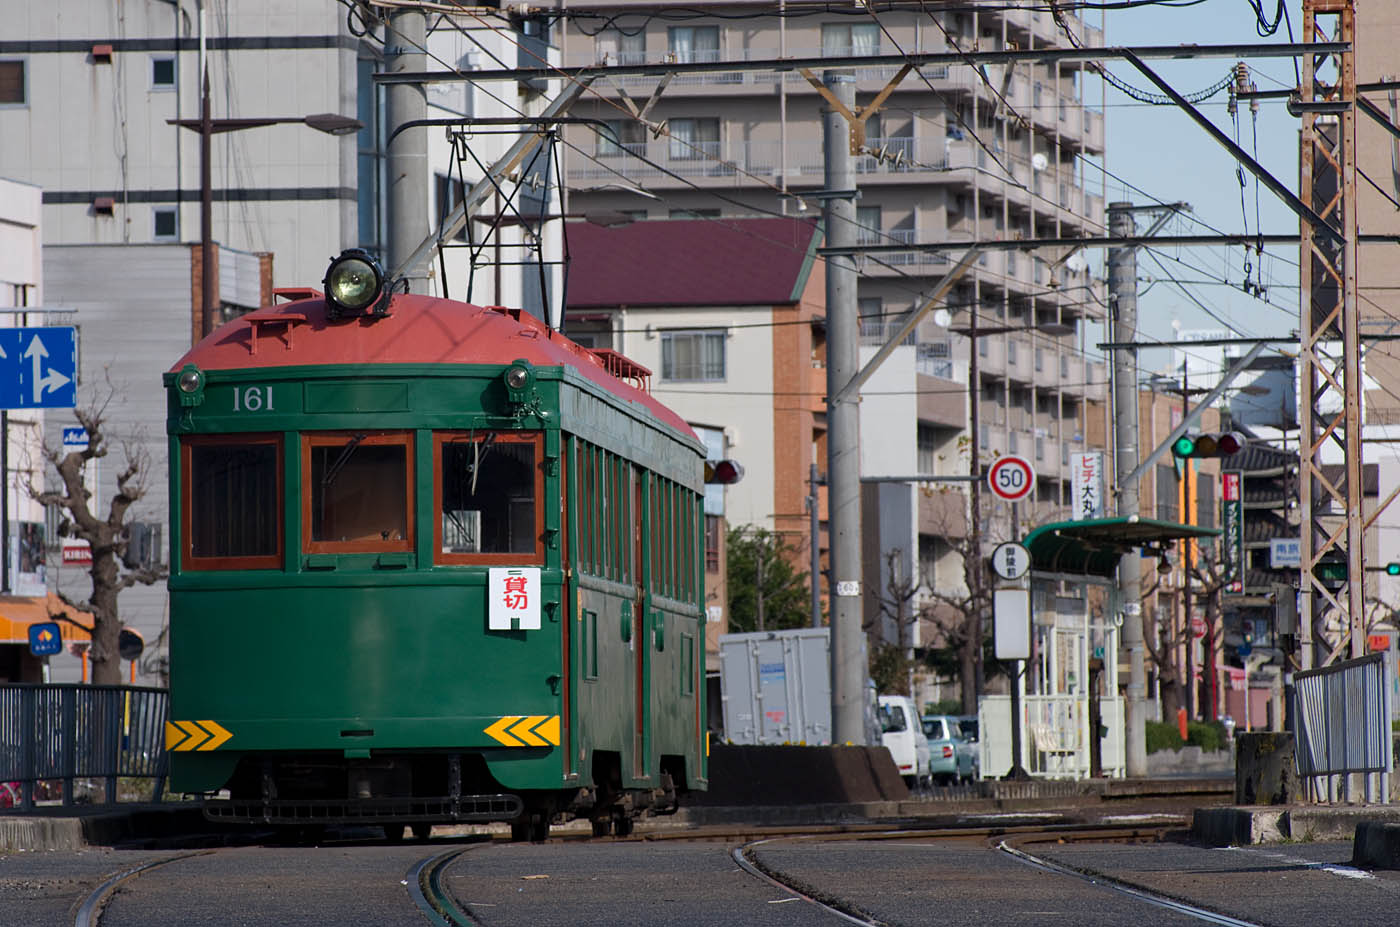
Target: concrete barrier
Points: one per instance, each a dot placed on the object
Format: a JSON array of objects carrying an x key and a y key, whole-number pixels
[
  {"x": 1376, "y": 845},
  {"x": 792, "y": 775},
  {"x": 1265, "y": 771}
]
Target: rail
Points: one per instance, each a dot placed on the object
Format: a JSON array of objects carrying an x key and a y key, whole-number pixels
[
  {"x": 66, "y": 733},
  {"x": 1342, "y": 723}
]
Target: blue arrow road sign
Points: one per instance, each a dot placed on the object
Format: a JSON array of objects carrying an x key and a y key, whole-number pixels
[{"x": 38, "y": 368}]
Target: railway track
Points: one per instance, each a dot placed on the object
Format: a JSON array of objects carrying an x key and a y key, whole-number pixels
[{"x": 426, "y": 882}]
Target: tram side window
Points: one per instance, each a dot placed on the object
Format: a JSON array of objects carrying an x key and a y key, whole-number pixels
[
  {"x": 233, "y": 503},
  {"x": 489, "y": 487},
  {"x": 358, "y": 498},
  {"x": 605, "y": 516}
]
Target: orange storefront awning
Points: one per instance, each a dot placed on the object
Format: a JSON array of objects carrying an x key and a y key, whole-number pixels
[{"x": 17, "y": 613}]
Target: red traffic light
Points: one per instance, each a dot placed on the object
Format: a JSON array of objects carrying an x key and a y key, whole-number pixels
[{"x": 723, "y": 471}]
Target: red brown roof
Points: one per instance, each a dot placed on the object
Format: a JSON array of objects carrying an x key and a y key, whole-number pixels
[
  {"x": 690, "y": 262},
  {"x": 417, "y": 330}
]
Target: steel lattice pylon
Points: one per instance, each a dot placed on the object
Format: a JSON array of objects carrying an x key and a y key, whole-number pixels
[{"x": 1329, "y": 319}]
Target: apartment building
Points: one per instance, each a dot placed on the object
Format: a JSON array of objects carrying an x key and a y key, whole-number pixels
[{"x": 956, "y": 153}]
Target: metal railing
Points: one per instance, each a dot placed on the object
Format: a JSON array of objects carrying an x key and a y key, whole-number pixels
[
  {"x": 69, "y": 732},
  {"x": 1342, "y": 723}
]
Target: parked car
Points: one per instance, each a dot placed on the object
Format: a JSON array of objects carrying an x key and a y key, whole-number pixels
[
  {"x": 902, "y": 735},
  {"x": 968, "y": 725},
  {"x": 952, "y": 760}
]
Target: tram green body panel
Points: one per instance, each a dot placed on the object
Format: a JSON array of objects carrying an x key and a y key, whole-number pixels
[{"x": 312, "y": 656}]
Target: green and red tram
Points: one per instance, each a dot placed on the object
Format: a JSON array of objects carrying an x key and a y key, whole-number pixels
[{"x": 430, "y": 562}]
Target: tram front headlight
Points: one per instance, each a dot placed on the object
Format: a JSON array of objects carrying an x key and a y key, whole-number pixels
[{"x": 354, "y": 283}]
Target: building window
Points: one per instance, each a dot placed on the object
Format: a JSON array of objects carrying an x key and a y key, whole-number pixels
[
  {"x": 714, "y": 526},
  {"x": 165, "y": 224},
  {"x": 358, "y": 496},
  {"x": 616, "y": 47},
  {"x": 868, "y": 225},
  {"x": 1166, "y": 493},
  {"x": 13, "y": 91},
  {"x": 693, "y": 44},
  {"x": 928, "y": 449},
  {"x": 621, "y": 136},
  {"x": 692, "y": 139},
  {"x": 232, "y": 500},
  {"x": 689, "y": 355},
  {"x": 1205, "y": 500},
  {"x": 449, "y": 191},
  {"x": 162, "y": 72},
  {"x": 843, "y": 40}
]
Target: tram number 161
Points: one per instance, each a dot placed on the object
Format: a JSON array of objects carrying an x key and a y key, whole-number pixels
[{"x": 252, "y": 399}]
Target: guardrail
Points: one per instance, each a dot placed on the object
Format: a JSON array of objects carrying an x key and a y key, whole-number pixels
[
  {"x": 52, "y": 733},
  {"x": 1342, "y": 724}
]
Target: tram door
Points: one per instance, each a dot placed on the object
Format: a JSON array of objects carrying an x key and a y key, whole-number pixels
[{"x": 641, "y": 648}]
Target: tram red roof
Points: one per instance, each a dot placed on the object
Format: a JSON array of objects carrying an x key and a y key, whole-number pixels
[{"x": 417, "y": 330}]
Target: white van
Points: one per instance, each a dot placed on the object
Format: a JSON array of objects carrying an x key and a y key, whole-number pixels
[{"x": 903, "y": 735}]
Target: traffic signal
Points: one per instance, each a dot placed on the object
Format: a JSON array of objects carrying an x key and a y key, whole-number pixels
[
  {"x": 1223, "y": 444},
  {"x": 1392, "y": 569},
  {"x": 723, "y": 471}
]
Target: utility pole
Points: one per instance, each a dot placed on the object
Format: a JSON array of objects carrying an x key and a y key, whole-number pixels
[
  {"x": 1122, "y": 295},
  {"x": 408, "y": 153},
  {"x": 848, "y": 649},
  {"x": 1329, "y": 314}
]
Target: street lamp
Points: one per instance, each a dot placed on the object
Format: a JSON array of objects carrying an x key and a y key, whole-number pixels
[{"x": 206, "y": 126}]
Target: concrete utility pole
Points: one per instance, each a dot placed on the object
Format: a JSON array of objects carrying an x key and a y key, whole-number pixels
[
  {"x": 408, "y": 153},
  {"x": 848, "y": 651},
  {"x": 1122, "y": 295}
]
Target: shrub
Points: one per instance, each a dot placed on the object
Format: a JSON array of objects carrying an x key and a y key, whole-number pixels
[{"x": 1208, "y": 735}]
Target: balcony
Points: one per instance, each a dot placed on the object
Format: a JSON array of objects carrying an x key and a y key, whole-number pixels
[{"x": 905, "y": 160}]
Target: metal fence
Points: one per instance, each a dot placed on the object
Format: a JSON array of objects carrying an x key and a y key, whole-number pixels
[
  {"x": 69, "y": 732},
  {"x": 1342, "y": 723}
]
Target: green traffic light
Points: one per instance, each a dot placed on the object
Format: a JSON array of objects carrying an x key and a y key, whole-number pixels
[
  {"x": 1184, "y": 446},
  {"x": 1392, "y": 569}
]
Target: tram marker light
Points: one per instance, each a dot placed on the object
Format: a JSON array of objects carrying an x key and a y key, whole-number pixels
[
  {"x": 190, "y": 384},
  {"x": 519, "y": 379}
]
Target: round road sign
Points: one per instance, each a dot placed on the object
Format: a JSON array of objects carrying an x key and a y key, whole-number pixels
[
  {"x": 1011, "y": 478},
  {"x": 1011, "y": 560}
]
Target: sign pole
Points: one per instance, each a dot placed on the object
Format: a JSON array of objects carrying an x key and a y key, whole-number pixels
[{"x": 1017, "y": 771}]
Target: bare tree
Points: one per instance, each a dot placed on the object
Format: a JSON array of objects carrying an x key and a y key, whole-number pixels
[
  {"x": 893, "y": 663},
  {"x": 105, "y": 533},
  {"x": 961, "y": 614}
]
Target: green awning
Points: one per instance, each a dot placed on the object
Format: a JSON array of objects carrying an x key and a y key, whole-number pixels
[{"x": 1093, "y": 546}]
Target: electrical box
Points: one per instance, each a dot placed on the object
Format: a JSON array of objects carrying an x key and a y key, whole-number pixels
[{"x": 776, "y": 686}]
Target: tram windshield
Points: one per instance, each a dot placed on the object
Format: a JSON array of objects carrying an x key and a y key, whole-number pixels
[
  {"x": 359, "y": 491},
  {"x": 233, "y": 504},
  {"x": 488, "y": 487}
]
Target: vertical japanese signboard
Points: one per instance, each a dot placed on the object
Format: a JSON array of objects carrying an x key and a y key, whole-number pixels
[
  {"x": 1086, "y": 479},
  {"x": 514, "y": 599},
  {"x": 1232, "y": 529}
]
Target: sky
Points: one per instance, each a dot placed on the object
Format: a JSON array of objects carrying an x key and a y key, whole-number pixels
[{"x": 1168, "y": 157}]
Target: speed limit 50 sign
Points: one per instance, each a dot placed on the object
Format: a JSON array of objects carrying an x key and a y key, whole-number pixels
[{"x": 1011, "y": 478}]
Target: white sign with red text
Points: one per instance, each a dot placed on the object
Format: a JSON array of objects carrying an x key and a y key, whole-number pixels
[
  {"x": 513, "y": 599},
  {"x": 1086, "y": 482}
]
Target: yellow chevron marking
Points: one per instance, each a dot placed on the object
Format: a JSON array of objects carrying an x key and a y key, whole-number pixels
[
  {"x": 173, "y": 735},
  {"x": 499, "y": 733},
  {"x": 522, "y": 730},
  {"x": 219, "y": 736},
  {"x": 550, "y": 730},
  {"x": 198, "y": 735}
]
